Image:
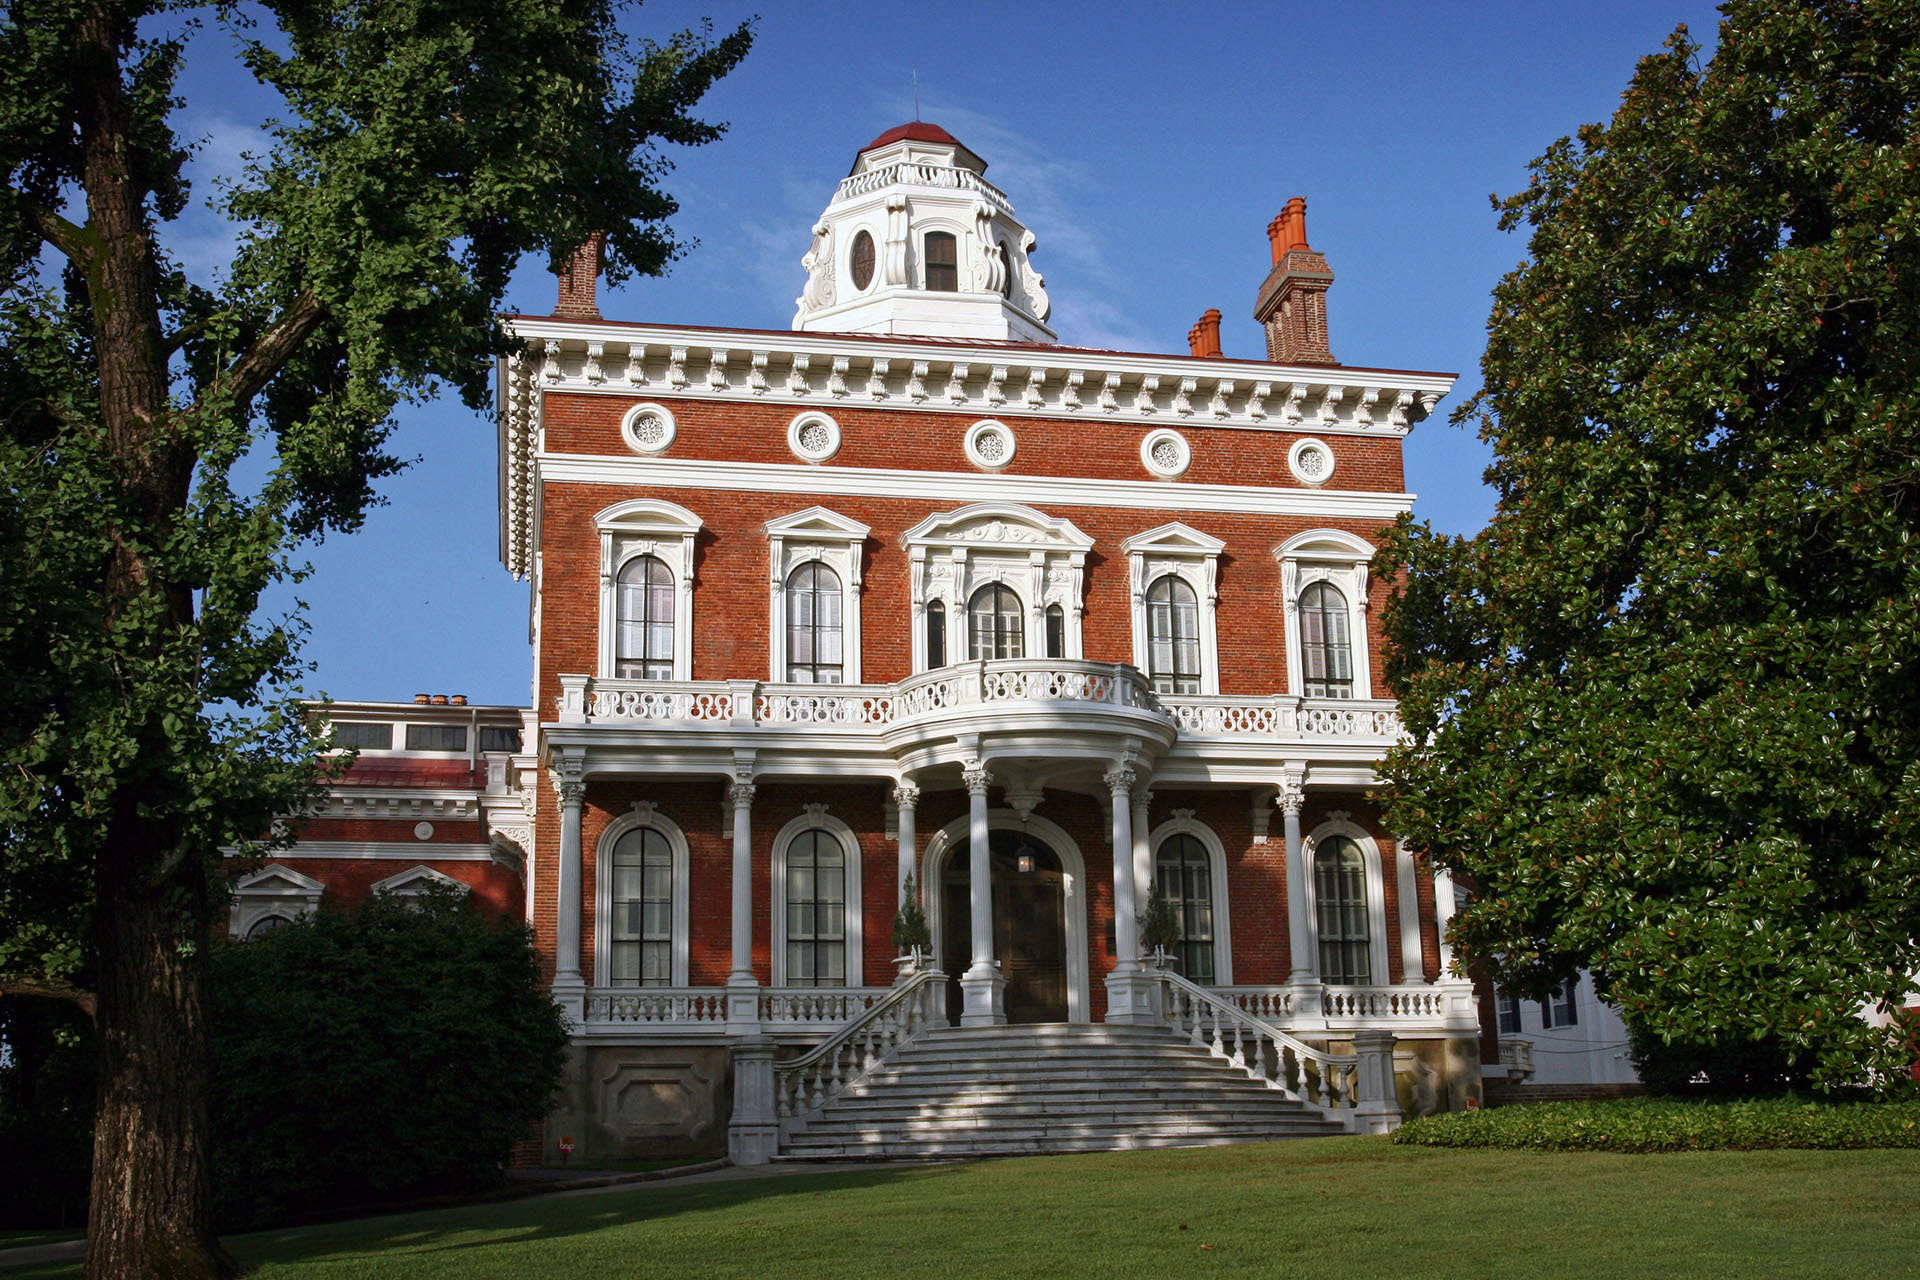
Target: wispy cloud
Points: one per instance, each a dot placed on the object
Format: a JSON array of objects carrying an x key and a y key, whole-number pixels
[{"x": 203, "y": 241}]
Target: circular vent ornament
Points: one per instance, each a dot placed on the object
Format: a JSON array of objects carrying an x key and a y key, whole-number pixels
[
  {"x": 989, "y": 444},
  {"x": 813, "y": 436},
  {"x": 1311, "y": 461},
  {"x": 648, "y": 428},
  {"x": 1166, "y": 453}
]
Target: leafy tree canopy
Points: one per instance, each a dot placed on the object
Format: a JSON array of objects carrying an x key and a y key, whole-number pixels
[
  {"x": 1665, "y": 708},
  {"x": 425, "y": 147}
]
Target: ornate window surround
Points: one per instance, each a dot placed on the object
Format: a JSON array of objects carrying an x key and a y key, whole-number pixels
[
  {"x": 409, "y": 883},
  {"x": 641, "y": 814},
  {"x": 1376, "y": 890},
  {"x": 1186, "y": 553},
  {"x": 640, "y": 527},
  {"x": 1340, "y": 559},
  {"x": 1183, "y": 823},
  {"x": 273, "y": 890},
  {"x": 816, "y": 818},
  {"x": 836, "y": 542},
  {"x": 952, "y": 554}
]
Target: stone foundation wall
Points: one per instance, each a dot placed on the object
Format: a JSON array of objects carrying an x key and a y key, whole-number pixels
[{"x": 641, "y": 1102}]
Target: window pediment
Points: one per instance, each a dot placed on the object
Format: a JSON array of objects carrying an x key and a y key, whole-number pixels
[
  {"x": 1000, "y": 525},
  {"x": 414, "y": 879}
]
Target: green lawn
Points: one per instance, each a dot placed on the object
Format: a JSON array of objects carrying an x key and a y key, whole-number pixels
[{"x": 1320, "y": 1209}]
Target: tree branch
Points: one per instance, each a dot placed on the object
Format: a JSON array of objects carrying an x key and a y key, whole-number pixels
[
  {"x": 47, "y": 988},
  {"x": 246, "y": 376},
  {"x": 66, "y": 236}
]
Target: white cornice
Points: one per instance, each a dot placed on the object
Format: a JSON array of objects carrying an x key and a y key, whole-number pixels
[
  {"x": 874, "y": 482},
  {"x": 388, "y": 851}
]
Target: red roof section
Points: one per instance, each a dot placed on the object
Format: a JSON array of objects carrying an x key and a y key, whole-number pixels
[
  {"x": 914, "y": 131},
  {"x": 389, "y": 771}
]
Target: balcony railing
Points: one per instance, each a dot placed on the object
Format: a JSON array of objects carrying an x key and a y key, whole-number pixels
[
  {"x": 752, "y": 703},
  {"x": 703, "y": 1010}
]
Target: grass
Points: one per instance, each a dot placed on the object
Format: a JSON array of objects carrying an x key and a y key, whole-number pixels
[{"x": 1325, "y": 1209}]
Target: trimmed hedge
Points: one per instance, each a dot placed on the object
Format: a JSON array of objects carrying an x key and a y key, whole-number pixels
[{"x": 1648, "y": 1125}]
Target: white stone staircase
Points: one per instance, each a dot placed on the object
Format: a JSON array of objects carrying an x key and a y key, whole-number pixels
[{"x": 1055, "y": 1087}]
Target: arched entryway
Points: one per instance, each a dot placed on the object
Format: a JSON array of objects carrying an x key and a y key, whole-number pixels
[{"x": 1039, "y": 916}]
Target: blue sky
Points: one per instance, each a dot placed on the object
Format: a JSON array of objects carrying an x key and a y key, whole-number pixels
[{"x": 1146, "y": 146}]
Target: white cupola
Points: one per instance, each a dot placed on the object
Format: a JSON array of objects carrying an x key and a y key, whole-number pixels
[{"x": 917, "y": 243}]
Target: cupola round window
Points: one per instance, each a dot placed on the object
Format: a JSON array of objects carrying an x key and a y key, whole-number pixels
[{"x": 862, "y": 260}]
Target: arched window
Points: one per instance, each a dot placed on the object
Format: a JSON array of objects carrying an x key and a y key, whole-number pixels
[
  {"x": 1326, "y": 652},
  {"x": 862, "y": 260},
  {"x": 943, "y": 270},
  {"x": 1006, "y": 271},
  {"x": 640, "y": 940},
  {"x": 814, "y": 654},
  {"x": 994, "y": 623},
  {"x": 936, "y": 634},
  {"x": 1173, "y": 636},
  {"x": 816, "y": 911},
  {"x": 266, "y": 925},
  {"x": 643, "y": 620},
  {"x": 1184, "y": 873},
  {"x": 1056, "y": 631},
  {"x": 1340, "y": 893}
]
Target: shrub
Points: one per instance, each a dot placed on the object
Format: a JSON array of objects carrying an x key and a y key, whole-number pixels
[
  {"x": 46, "y": 1112},
  {"x": 1727, "y": 1068},
  {"x": 1159, "y": 926},
  {"x": 393, "y": 1051},
  {"x": 1646, "y": 1125},
  {"x": 910, "y": 922}
]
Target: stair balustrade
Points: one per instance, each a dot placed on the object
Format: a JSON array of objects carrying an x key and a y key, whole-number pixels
[
  {"x": 1320, "y": 1079},
  {"x": 814, "y": 1079}
]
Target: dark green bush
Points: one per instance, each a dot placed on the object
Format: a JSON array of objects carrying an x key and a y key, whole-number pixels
[
  {"x": 46, "y": 1112},
  {"x": 389, "y": 1052},
  {"x": 1645, "y": 1125},
  {"x": 1729, "y": 1068}
]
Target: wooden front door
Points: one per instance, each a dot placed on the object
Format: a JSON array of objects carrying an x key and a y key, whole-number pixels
[{"x": 1029, "y": 926}]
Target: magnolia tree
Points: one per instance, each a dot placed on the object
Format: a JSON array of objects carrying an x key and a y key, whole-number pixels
[
  {"x": 1665, "y": 708},
  {"x": 421, "y": 150}
]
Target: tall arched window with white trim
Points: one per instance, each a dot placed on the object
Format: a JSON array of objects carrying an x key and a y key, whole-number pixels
[
  {"x": 1173, "y": 636},
  {"x": 1326, "y": 646},
  {"x": 640, "y": 936},
  {"x": 1184, "y": 872},
  {"x": 1340, "y": 896},
  {"x": 936, "y": 634},
  {"x": 816, "y": 911},
  {"x": 815, "y": 650},
  {"x": 643, "y": 620},
  {"x": 996, "y": 623}
]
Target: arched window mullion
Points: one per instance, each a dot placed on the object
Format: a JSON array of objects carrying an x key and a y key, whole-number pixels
[
  {"x": 640, "y": 932},
  {"x": 815, "y": 632},
  {"x": 643, "y": 620},
  {"x": 1340, "y": 898},
  {"x": 1184, "y": 872},
  {"x": 996, "y": 624},
  {"x": 1326, "y": 647},
  {"x": 1173, "y": 636}
]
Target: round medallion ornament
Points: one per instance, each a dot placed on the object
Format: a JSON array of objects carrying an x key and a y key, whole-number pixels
[
  {"x": 1166, "y": 453},
  {"x": 813, "y": 436},
  {"x": 1311, "y": 461},
  {"x": 423, "y": 831},
  {"x": 648, "y": 428},
  {"x": 989, "y": 444}
]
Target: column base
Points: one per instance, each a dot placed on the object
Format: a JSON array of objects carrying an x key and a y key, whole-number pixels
[
  {"x": 983, "y": 997},
  {"x": 570, "y": 993},
  {"x": 1304, "y": 998},
  {"x": 1133, "y": 996},
  {"x": 743, "y": 1007},
  {"x": 753, "y": 1134}
]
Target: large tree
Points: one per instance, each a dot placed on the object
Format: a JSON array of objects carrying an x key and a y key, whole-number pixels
[
  {"x": 1665, "y": 708},
  {"x": 424, "y": 147}
]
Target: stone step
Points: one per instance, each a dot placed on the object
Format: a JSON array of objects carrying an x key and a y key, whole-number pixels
[
  {"x": 960, "y": 1149},
  {"x": 1044, "y": 1126},
  {"x": 1137, "y": 1111}
]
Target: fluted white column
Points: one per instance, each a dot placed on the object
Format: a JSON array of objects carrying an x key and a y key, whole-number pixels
[
  {"x": 1443, "y": 908},
  {"x": 906, "y": 798},
  {"x": 566, "y": 924},
  {"x": 1302, "y": 936},
  {"x": 1142, "y": 852},
  {"x": 1126, "y": 923},
  {"x": 983, "y": 986},
  {"x": 743, "y": 990}
]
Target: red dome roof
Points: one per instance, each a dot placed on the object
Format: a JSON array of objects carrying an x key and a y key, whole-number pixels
[{"x": 916, "y": 131}]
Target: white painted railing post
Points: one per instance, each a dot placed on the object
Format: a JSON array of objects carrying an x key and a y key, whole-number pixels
[
  {"x": 753, "y": 1134},
  {"x": 1378, "y": 1109},
  {"x": 573, "y": 699}
]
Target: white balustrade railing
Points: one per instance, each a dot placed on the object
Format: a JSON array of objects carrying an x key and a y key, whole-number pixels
[
  {"x": 1273, "y": 1004},
  {"x": 1219, "y": 715},
  {"x": 917, "y": 174},
  {"x": 1329, "y": 1081},
  {"x": 1516, "y": 1055},
  {"x": 1384, "y": 1004},
  {"x": 687, "y": 1007},
  {"x": 817, "y": 1077},
  {"x": 818, "y": 1006}
]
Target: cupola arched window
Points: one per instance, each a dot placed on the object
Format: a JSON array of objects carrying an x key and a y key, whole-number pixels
[
  {"x": 1184, "y": 873},
  {"x": 942, "y": 262},
  {"x": 936, "y": 634},
  {"x": 640, "y": 937},
  {"x": 994, "y": 623},
  {"x": 1056, "y": 631},
  {"x": 643, "y": 624},
  {"x": 1326, "y": 649},
  {"x": 862, "y": 260},
  {"x": 816, "y": 890},
  {"x": 814, "y": 640},
  {"x": 1340, "y": 895},
  {"x": 1173, "y": 636}
]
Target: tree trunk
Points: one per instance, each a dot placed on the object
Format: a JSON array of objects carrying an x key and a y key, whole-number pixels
[{"x": 151, "y": 1190}]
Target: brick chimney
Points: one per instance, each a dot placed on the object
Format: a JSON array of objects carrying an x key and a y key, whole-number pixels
[
  {"x": 580, "y": 279},
  {"x": 1204, "y": 338},
  {"x": 1293, "y": 299}
]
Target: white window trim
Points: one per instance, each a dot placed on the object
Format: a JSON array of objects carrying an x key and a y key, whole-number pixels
[
  {"x": 1340, "y": 559},
  {"x": 816, "y": 818},
  {"x": 1183, "y": 552},
  {"x": 273, "y": 890},
  {"x": 648, "y": 527},
  {"x": 1183, "y": 823},
  {"x": 839, "y": 543},
  {"x": 1376, "y": 893},
  {"x": 965, "y": 246},
  {"x": 642, "y": 814},
  {"x": 409, "y": 883},
  {"x": 953, "y": 554}
]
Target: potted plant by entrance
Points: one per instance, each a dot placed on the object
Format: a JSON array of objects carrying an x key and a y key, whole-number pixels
[{"x": 912, "y": 939}]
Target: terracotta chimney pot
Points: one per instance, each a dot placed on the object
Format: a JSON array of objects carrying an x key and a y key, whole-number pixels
[
  {"x": 439, "y": 699},
  {"x": 422, "y": 699},
  {"x": 458, "y": 700},
  {"x": 1204, "y": 338}
]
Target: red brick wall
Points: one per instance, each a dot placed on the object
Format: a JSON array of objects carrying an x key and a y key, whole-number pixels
[{"x": 350, "y": 880}]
